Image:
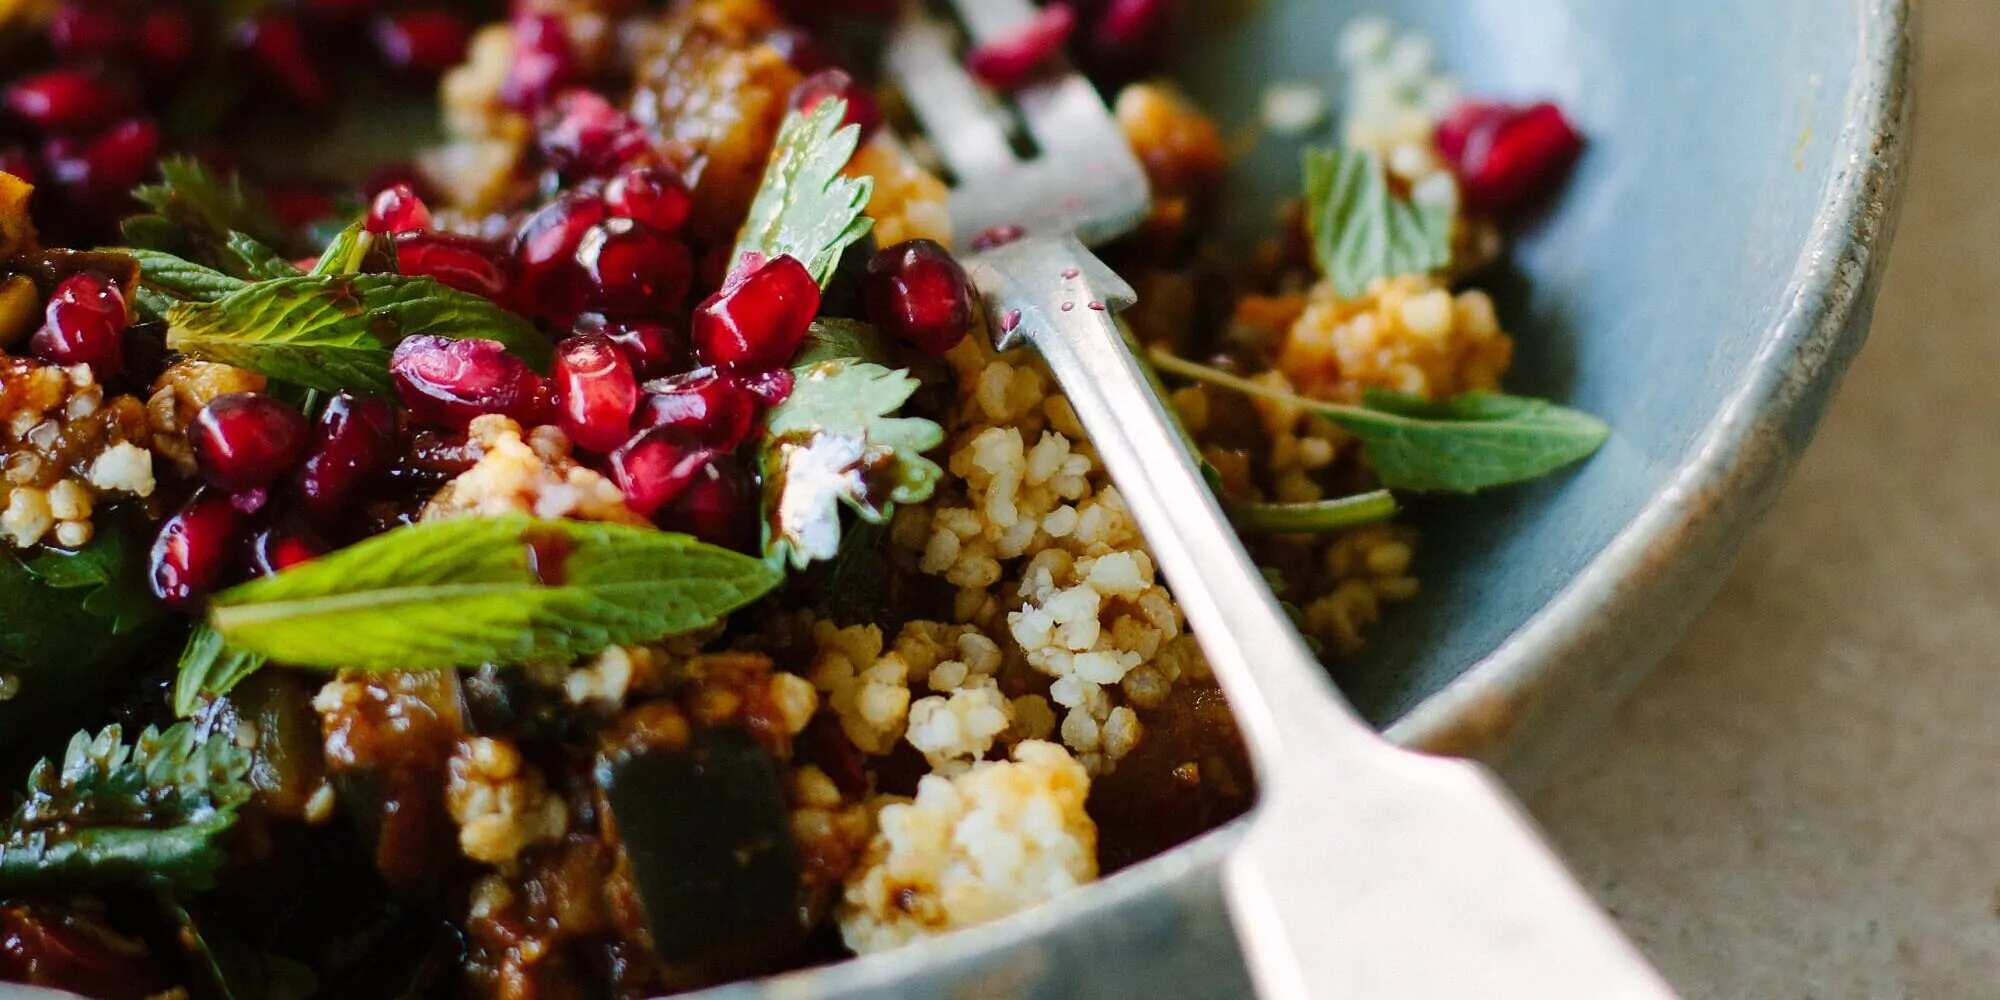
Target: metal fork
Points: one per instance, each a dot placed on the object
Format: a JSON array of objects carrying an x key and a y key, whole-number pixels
[{"x": 1368, "y": 871}]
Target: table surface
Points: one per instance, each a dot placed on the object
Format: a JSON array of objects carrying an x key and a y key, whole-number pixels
[{"x": 1804, "y": 802}]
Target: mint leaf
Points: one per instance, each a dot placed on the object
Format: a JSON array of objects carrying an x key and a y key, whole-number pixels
[
  {"x": 209, "y": 669},
  {"x": 195, "y": 212},
  {"x": 259, "y": 261},
  {"x": 336, "y": 333},
  {"x": 349, "y": 252},
  {"x": 805, "y": 209},
  {"x": 1360, "y": 230},
  {"x": 1313, "y": 518},
  {"x": 505, "y": 590},
  {"x": 175, "y": 279},
  {"x": 1459, "y": 445},
  {"x": 110, "y": 812},
  {"x": 833, "y": 443}
]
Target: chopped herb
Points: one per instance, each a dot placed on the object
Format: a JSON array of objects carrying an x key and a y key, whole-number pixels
[
  {"x": 1459, "y": 445},
  {"x": 1360, "y": 230},
  {"x": 165, "y": 279},
  {"x": 830, "y": 339},
  {"x": 806, "y": 208},
  {"x": 194, "y": 212},
  {"x": 261, "y": 261},
  {"x": 503, "y": 590},
  {"x": 349, "y": 252},
  {"x": 151, "y": 811},
  {"x": 209, "y": 669},
  {"x": 336, "y": 333},
  {"x": 1313, "y": 518},
  {"x": 834, "y": 443}
]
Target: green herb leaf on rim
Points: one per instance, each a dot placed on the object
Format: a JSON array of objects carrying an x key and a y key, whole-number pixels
[
  {"x": 209, "y": 669},
  {"x": 336, "y": 333},
  {"x": 805, "y": 208},
  {"x": 1360, "y": 230},
  {"x": 1461, "y": 445},
  {"x": 834, "y": 444},
  {"x": 503, "y": 590}
]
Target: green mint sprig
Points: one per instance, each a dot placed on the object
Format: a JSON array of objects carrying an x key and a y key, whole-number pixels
[
  {"x": 209, "y": 668},
  {"x": 1360, "y": 230},
  {"x": 805, "y": 208}
]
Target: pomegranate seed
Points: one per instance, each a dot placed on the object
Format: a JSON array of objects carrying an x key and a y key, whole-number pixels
[
  {"x": 448, "y": 382},
  {"x": 799, "y": 49},
  {"x": 545, "y": 248},
  {"x": 118, "y": 158},
  {"x": 543, "y": 61},
  {"x": 245, "y": 439},
  {"x": 250, "y": 502},
  {"x": 85, "y": 323},
  {"x": 1010, "y": 63},
  {"x": 65, "y": 100},
  {"x": 1129, "y": 31},
  {"x": 596, "y": 392},
  {"x": 85, "y": 31},
  {"x": 655, "y": 196},
  {"x": 582, "y": 133},
  {"x": 655, "y": 466},
  {"x": 397, "y": 209},
  {"x": 654, "y": 349},
  {"x": 772, "y": 387},
  {"x": 711, "y": 408},
  {"x": 18, "y": 161},
  {"x": 1505, "y": 156},
  {"x": 460, "y": 262},
  {"x": 757, "y": 320},
  {"x": 917, "y": 292},
  {"x": 273, "y": 551},
  {"x": 862, "y": 108},
  {"x": 277, "y": 47},
  {"x": 166, "y": 40},
  {"x": 634, "y": 268},
  {"x": 426, "y": 42},
  {"x": 194, "y": 549},
  {"x": 355, "y": 439},
  {"x": 716, "y": 506}
]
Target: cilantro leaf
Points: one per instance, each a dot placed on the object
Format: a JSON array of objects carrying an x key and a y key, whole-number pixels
[
  {"x": 209, "y": 668},
  {"x": 504, "y": 590},
  {"x": 1459, "y": 445},
  {"x": 805, "y": 208},
  {"x": 335, "y": 333},
  {"x": 1360, "y": 230},
  {"x": 109, "y": 813},
  {"x": 833, "y": 443}
]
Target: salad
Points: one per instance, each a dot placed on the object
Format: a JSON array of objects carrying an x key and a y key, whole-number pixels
[{"x": 594, "y": 549}]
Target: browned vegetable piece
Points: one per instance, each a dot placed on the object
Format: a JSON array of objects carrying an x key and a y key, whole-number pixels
[{"x": 388, "y": 738}]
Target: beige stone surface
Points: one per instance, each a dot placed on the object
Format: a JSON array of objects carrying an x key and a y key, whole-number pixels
[{"x": 1805, "y": 801}]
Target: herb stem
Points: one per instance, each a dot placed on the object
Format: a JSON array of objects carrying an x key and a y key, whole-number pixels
[
  {"x": 1314, "y": 518},
  {"x": 1167, "y": 361}
]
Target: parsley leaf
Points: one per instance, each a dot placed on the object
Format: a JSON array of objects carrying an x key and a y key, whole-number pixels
[
  {"x": 805, "y": 208},
  {"x": 1459, "y": 445},
  {"x": 111, "y": 813},
  {"x": 335, "y": 333},
  {"x": 504, "y": 590},
  {"x": 833, "y": 443},
  {"x": 1361, "y": 231},
  {"x": 209, "y": 668}
]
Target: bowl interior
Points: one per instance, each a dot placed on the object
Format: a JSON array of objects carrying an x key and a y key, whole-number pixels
[{"x": 1643, "y": 294}]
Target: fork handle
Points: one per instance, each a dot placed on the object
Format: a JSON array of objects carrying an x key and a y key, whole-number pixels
[{"x": 1368, "y": 871}]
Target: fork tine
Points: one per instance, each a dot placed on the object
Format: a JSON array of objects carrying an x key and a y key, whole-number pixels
[
  {"x": 987, "y": 20},
  {"x": 958, "y": 116}
]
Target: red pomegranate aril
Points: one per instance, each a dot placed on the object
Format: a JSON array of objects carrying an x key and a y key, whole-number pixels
[
  {"x": 711, "y": 408},
  {"x": 1504, "y": 155},
  {"x": 426, "y": 42},
  {"x": 1010, "y": 63},
  {"x": 397, "y": 209},
  {"x": 800, "y": 50},
  {"x": 918, "y": 293},
  {"x": 633, "y": 268},
  {"x": 654, "y": 349},
  {"x": 583, "y": 134},
  {"x": 771, "y": 387},
  {"x": 354, "y": 441},
  {"x": 757, "y": 320},
  {"x": 862, "y": 108},
  {"x": 543, "y": 61},
  {"x": 65, "y": 100},
  {"x": 448, "y": 382},
  {"x": 18, "y": 161},
  {"x": 273, "y": 551},
  {"x": 120, "y": 157},
  {"x": 277, "y": 47},
  {"x": 460, "y": 262},
  {"x": 1129, "y": 30},
  {"x": 166, "y": 40},
  {"x": 716, "y": 506},
  {"x": 596, "y": 392},
  {"x": 655, "y": 196},
  {"x": 655, "y": 466},
  {"x": 245, "y": 439},
  {"x": 545, "y": 248},
  {"x": 84, "y": 323},
  {"x": 86, "y": 31},
  {"x": 194, "y": 549}
]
